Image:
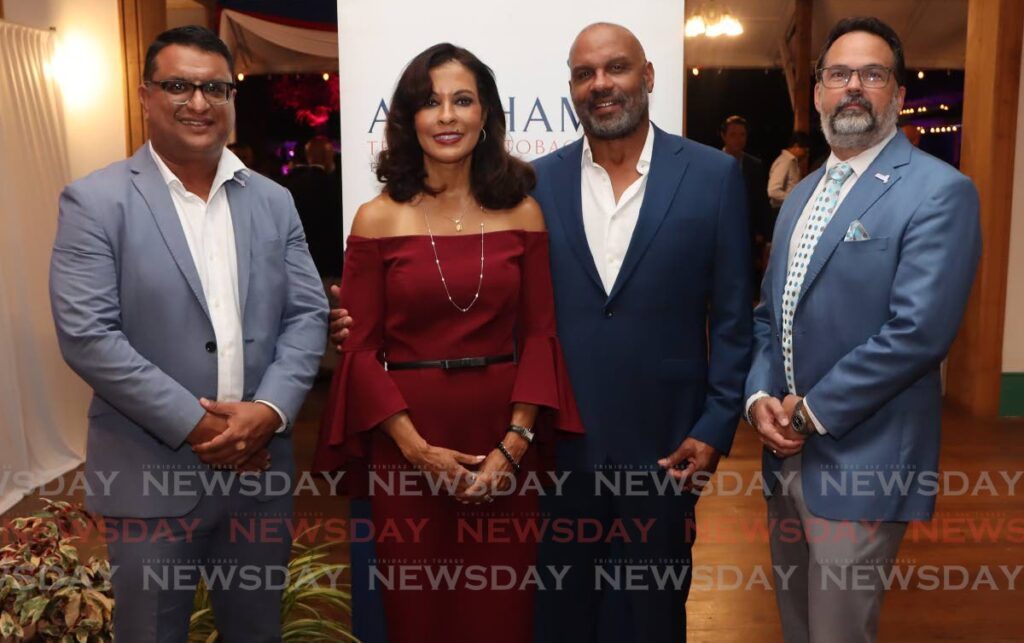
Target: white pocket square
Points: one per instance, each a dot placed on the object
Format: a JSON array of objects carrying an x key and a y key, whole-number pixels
[{"x": 856, "y": 232}]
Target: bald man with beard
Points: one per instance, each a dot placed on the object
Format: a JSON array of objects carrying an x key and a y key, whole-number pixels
[{"x": 650, "y": 262}]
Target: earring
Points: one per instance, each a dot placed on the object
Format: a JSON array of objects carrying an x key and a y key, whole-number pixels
[{"x": 483, "y": 136}]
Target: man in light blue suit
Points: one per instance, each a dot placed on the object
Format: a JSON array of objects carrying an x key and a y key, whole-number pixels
[
  {"x": 650, "y": 261},
  {"x": 874, "y": 257},
  {"x": 184, "y": 294}
]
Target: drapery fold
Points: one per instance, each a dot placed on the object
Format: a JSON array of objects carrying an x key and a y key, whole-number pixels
[
  {"x": 262, "y": 47},
  {"x": 42, "y": 403}
]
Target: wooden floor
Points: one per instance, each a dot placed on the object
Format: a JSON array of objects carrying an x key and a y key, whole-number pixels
[{"x": 737, "y": 607}]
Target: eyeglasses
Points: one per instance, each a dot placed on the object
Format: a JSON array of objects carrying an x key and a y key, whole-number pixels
[
  {"x": 873, "y": 76},
  {"x": 216, "y": 92}
]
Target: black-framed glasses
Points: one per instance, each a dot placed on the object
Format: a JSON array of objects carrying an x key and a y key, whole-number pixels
[
  {"x": 216, "y": 92},
  {"x": 838, "y": 76}
]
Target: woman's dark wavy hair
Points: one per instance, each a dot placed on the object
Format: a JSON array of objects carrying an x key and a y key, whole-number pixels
[{"x": 498, "y": 180}]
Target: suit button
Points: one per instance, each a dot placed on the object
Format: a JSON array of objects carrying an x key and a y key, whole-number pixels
[
  {"x": 608, "y": 313},
  {"x": 211, "y": 347}
]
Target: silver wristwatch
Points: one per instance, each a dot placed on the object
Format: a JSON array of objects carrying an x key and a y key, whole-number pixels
[
  {"x": 800, "y": 422},
  {"x": 527, "y": 434}
]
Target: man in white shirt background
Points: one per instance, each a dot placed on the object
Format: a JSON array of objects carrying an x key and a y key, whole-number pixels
[
  {"x": 184, "y": 295},
  {"x": 874, "y": 257},
  {"x": 785, "y": 172}
]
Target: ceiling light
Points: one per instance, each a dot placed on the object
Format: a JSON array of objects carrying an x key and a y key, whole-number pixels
[{"x": 712, "y": 20}]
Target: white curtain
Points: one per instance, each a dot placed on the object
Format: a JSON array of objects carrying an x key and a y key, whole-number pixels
[
  {"x": 42, "y": 403},
  {"x": 264, "y": 47}
]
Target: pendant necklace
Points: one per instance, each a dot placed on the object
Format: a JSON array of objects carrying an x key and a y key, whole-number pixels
[{"x": 437, "y": 261}]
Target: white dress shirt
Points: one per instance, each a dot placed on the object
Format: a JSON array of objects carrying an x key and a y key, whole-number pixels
[
  {"x": 609, "y": 224},
  {"x": 782, "y": 177},
  {"x": 211, "y": 241},
  {"x": 859, "y": 164}
]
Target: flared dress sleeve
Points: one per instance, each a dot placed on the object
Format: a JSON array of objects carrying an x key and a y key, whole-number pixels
[
  {"x": 362, "y": 395},
  {"x": 542, "y": 377}
]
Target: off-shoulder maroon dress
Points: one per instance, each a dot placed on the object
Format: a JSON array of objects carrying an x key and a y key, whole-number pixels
[{"x": 401, "y": 313}]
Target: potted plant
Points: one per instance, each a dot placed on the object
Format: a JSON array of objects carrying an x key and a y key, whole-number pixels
[
  {"x": 310, "y": 604},
  {"x": 46, "y": 592}
]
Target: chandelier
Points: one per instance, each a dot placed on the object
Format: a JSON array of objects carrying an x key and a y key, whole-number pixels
[{"x": 712, "y": 20}]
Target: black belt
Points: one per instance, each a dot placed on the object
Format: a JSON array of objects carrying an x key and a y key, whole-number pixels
[{"x": 448, "y": 364}]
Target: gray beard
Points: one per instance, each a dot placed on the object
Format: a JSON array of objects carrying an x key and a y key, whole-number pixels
[
  {"x": 625, "y": 124},
  {"x": 860, "y": 130}
]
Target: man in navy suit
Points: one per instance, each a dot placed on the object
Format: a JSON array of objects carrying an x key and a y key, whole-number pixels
[
  {"x": 874, "y": 256},
  {"x": 650, "y": 262}
]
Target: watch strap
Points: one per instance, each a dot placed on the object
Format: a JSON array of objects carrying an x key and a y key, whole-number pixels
[{"x": 525, "y": 432}]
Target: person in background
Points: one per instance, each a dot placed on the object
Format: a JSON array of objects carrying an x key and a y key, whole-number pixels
[
  {"x": 785, "y": 171},
  {"x": 317, "y": 192},
  {"x": 316, "y": 188},
  {"x": 734, "y": 131}
]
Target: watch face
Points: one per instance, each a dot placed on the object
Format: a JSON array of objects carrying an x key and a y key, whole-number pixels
[{"x": 799, "y": 421}]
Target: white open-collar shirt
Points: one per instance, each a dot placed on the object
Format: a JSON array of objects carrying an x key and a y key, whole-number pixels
[
  {"x": 609, "y": 224},
  {"x": 211, "y": 241}
]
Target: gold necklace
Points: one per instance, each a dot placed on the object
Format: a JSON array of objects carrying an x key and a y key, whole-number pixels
[
  {"x": 457, "y": 220},
  {"x": 444, "y": 282}
]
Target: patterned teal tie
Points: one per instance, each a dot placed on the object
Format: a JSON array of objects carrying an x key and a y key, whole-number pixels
[{"x": 824, "y": 208}]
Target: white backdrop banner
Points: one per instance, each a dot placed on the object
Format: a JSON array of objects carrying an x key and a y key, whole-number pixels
[{"x": 526, "y": 43}]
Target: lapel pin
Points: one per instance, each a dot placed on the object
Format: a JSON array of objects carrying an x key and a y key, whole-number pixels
[{"x": 884, "y": 178}]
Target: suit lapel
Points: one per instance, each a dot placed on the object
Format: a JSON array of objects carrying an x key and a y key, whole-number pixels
[
  {"x": 150, "y": 184},
  {"x": 567, "y": 185},
  {"x": 666, "y": 172},
  {"x": 241, "y": 220},
  {"x": 792, "y": 208},
  {"x": 862, "y": 196}
]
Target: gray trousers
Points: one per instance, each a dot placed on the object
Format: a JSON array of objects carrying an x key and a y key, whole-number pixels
[
  {"x": 828, "y": 573},
  {"x": 240, "y": 546}
]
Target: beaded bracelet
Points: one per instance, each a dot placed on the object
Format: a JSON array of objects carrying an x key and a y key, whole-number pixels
[{"x": 508, "y": 456}]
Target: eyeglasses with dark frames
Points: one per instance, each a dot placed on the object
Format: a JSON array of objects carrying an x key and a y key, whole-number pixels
[
  {"x": 838, "y": 76},
  {"x": 216, "y": 92}
]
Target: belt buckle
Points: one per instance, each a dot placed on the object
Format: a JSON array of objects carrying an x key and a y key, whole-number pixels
[{"x": 462, "y": 362}]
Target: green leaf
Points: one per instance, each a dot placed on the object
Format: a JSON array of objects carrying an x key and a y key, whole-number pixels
[{"x": 33, "y": 609}]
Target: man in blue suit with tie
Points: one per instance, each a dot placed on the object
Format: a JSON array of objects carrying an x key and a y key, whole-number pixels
[
  {"x": 650, "y": 261},
  {"x": 874, "y": 256},
  {"x": 184, "y": 294}
]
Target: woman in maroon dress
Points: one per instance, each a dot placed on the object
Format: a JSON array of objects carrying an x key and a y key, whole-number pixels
[{"x": 452, "y": 373}]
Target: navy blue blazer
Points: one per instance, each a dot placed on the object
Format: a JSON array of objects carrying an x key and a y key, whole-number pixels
[
  {"x": 638, "y": 356},
  {"x": 873, "y": 322}
]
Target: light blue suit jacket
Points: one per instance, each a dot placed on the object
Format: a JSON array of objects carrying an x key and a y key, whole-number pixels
[
  {"x": 873, "y": 322},
  {"x": 132, "y": 321}
]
